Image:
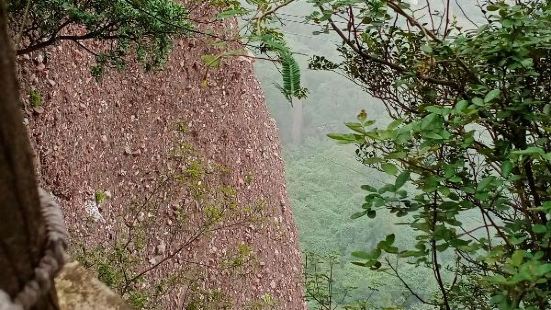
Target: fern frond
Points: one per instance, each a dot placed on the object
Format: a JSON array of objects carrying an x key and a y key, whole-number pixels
[{"x": 290, "y": 72}]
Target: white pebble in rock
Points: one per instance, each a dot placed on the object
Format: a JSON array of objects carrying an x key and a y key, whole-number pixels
[{"x": 161, "y": 248}]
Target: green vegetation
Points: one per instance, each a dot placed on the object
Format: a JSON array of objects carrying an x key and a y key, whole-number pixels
[
  {"x": 466, "y": 153},
  {"x": 133, "y": 262},
  {"x": 321, "y": 181},
  {"x": 144, "y": 29},
  {"x": 35, "y": 98},
  {"x": 100, "y": 196},
  {"x": 264, "y": 302},
  {"x": 202, "y": 299}
]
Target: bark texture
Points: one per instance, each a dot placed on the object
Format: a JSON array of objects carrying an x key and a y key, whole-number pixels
[{"x": 22, "y": 230}]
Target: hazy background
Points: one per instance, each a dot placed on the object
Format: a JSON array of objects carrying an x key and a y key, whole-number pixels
[{"x": 323, "y": 177}]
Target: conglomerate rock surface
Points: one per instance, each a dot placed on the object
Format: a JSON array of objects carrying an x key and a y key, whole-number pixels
[{"x": 171, "y": 181}]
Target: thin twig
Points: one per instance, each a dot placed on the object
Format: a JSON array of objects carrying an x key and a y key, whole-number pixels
[{"x": 406, "y": 285}]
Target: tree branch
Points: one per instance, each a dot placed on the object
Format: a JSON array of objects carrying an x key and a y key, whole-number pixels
[
  {"x": 406, "y": 285},
  {"x": 386, "y": 63}
]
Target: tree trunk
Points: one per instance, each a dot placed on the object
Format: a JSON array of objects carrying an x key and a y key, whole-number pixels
[
  {"x": 22, "y": 229},
  {"x": 298, "y": 123}
]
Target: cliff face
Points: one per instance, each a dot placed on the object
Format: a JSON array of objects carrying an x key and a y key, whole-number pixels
[{"x": 172, "y": 187}]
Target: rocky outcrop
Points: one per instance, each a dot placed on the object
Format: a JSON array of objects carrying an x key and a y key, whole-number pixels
[
  {"x": 77, "y": 289},
  {"x": 171, "y": 181}
]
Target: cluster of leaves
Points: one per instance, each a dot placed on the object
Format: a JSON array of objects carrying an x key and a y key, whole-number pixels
[
  {"x": 264, "y": 302},
  {"x": 265, "y": 37},
  {"x": 271, "y": 41},
  {"x": 469, "y": 146},
  {"x": 144, "y": 28}
]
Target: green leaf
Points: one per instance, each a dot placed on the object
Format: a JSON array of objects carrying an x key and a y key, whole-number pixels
[
  {"x": 527, "y": 62},
  {"x": 231, "y": 13},
  {"x": 412, "y": 254},
  {"x": 461, "y": 105},
  {"x": 493, "y": 94},
  {"x": 506, "y": 168},
  {"x": 433, "y": 135},
  {"x": 478, "y": 102},
  {"x": 455, "y": 179},
  {"x": 394, "y": 124},
  {"x": 371, "y": 214},
  {"x": 362, "y": 255},
  {"x": 389, "y": 240},
  {"x": 389, "y": 168},
  {"x": 426, "y": 48},
  {"x": 431, "y": 184},
  {"x": 357, "y": 127},
  {"x": 372, "y": 255},
  {"x": 435, "y": 109},
  {"x": 358, "y": 215},
  {"x": 371, "y": 197},
  {"x": 427, "y": 120},
  {"x": 375, "y": 265},
  {"x": 517, "y": 258},
  {"x": 543, "y": 269},
  {"x": 211, "y": 61},
  {"x": 449, "y": 205},
  {"x": 402, "y": 179},
  {"x": 485, "y": 182},
  {"x": 442, "y": 247},
  {"x": 369, "y": 188},
  {"x": 498, "y": 299},
  {"x": 344, "y": 138},
  {"x": 290, "y": 72},
  {"x": 539, "y": 229},
  {"x": 386, "y": 188}
]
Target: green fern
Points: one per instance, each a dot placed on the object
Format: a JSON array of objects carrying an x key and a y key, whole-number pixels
[{"x": 290, "y": 72}]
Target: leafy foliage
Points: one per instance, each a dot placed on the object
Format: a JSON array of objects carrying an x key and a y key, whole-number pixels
[
  {"x": 272, "y": 42},
  {"x": 35, "y": 98},
  {"x": 145, "y": 27},
  {"x": 470, "y": 139},
  {"x": 262, "y": 29},
  {"x": 469, "y": 150},
  {"x": 291, "y": 78}
]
